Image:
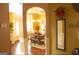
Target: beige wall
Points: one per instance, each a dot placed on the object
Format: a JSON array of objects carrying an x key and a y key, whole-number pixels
[
  {"x": 71, "y": 32},
  {"x": 5, "y": 44}
]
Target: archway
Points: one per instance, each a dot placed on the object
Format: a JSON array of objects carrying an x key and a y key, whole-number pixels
[{"x": 36, "y": 30}]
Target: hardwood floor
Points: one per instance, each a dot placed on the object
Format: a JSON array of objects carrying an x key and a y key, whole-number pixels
[
  {"x": 37, "y": 51},
  {"x": 16, "y": 50}
]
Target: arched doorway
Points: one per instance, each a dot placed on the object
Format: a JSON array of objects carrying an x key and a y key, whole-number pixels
[{"x": 36, "y": 30}]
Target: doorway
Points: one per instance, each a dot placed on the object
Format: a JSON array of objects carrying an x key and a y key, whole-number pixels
[
  {"x": 16, "y": 28},
  {"x": 36, "y": 31}
]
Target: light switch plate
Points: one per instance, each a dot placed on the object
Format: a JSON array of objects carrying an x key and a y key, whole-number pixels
[{"x": 3, "y": 25}]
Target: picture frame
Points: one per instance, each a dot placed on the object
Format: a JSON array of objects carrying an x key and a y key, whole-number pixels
[{"x": 61, "y": 34}]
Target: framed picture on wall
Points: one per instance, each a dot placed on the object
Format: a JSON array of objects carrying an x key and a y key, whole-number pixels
[{"x": 61, "y": 34}]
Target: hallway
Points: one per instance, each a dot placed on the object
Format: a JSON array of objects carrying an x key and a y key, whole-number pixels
[{"x": 46, "y": 30}]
